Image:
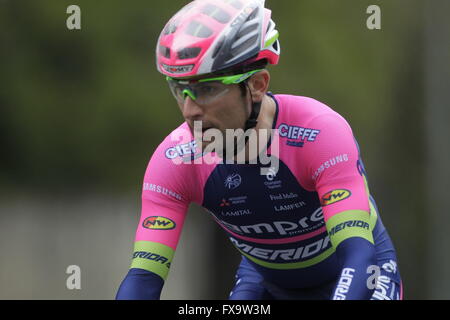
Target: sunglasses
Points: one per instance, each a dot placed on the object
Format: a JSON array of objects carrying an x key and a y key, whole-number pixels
[{"x": 205, "y": 91}]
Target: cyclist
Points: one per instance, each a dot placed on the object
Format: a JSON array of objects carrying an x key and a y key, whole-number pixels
[{"x": 306, "y": 229}]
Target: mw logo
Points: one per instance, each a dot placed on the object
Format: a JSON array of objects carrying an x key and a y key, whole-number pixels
[
  {"x": 335, "y": 196},
  {"x": 159, "y": 223}
]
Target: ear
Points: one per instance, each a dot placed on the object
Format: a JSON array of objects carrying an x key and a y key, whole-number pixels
[{"x": 259, "y": 85}]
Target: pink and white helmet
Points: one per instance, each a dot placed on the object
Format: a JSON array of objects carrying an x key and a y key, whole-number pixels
[{"x": 207, "y": 36}]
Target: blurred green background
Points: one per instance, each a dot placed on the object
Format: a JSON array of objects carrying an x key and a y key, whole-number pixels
[{"x": 82, "y": 111}]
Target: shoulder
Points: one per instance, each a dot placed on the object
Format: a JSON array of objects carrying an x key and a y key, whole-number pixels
[
  {"x": 307, "y": 120},
  {"x": 305, "y": 109},
  {"x": 176, "y": 146},
  {"x": 166, "y": 168}
]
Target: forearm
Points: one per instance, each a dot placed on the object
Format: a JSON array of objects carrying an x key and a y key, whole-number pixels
[
  {"x": 355, "y": 256},
  {"x": 140, "y": 284}
]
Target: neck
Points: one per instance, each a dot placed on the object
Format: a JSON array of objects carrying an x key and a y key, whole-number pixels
[
  {"x": 261, "y": 133},
  {"x": 267, "y": 113}
]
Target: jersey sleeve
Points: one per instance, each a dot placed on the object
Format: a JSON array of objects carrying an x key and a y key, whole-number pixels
[
  {"x": 166, "y": 195},
  {"x": 165, "y": 201},
  {"x": 341, "y": 187},
  {"x": 343, "y": 193}
]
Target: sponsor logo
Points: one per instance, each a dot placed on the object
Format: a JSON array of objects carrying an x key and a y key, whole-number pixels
[
  {"x": 273, "y": 184},
  {"x": 162, "y": 190},
  {"x": 385, "y": 289},
  {"x": 390, "y": 266},
  {"x": 236, "y": 213},
  {"x": 297, "y": 135},
  {"x": 233, "y": 181},
  {"x": 330, "y": 163},
  {"x": 178, "y": 69},
  {"x": 349, "y": 224},
  {"x": 295, "y": 143},
  {"x": 280, "y": 227},
  {"x": 271, "y": 174},
  {"x": 158, "y": 223},
  {"x": 335, "y": 196},
  {"x": 344, "y": 284},
  {"x": 283, "y": 196},
  {"x": 181, "y": 150},
  {"x": 284, "y": 254},
  {"x": 233, "y": 201},
  {"x": 238, "y": 200},
  {"x": 151, "y": 256},
  {"x": 289, "y": 207}
]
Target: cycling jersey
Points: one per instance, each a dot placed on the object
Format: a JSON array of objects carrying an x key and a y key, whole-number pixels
[{"x": 309, "y": 223}]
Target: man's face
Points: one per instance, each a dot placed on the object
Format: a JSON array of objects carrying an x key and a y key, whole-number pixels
[{"x": 229, "y": 110}]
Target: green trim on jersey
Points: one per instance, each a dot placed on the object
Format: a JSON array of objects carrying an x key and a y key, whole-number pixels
[
  {"x": 366, "y": 185},
  {"x": 152, "y": 256},
  {"x": 373, "y": 215},
  {"x": 348, "y": 224},
  {"x": 290, "y": 265},
  {"x": 373, "y": 211}
]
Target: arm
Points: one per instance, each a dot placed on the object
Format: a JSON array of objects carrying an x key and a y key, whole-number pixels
[
  {"x": 351, "y": 235},
  {"x": 164, "y": 206},
  {"x": 140, "y": 284},
  {"x": 345, "y": 202},
  {"x": 156, "y": 240}
]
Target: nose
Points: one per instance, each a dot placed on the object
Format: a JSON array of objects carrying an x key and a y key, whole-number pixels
[{"x": 191, "y": 110}]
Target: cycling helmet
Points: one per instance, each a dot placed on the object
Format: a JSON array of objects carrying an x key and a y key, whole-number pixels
[
  {"x": 211, "y": 36},
  {"x": 219, "y": 37}
]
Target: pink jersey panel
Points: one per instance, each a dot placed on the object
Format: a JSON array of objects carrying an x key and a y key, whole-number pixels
[
  {"x": 171, "y": 182},
  {"x": 338, "y": 158},
  {"x": 174, "y": 218},
  {"x": 327, "y": 160}
]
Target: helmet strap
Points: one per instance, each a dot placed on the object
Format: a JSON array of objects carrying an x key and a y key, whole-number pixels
[
  {"x": 256, "y": 107},
  {"x": 251, "y": 121}
]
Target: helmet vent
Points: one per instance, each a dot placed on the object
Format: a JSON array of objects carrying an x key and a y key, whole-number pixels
[
  {"x": 236, "y": 4},
  {"x": 253, "y": 15},
  {"x": 170, "y": 28},
  {"x": 215, "y": 12},
  {"x": 270, "y": 25},
  {"x": 275, "y": 45},
  {"x": 189, "y": 53},
  {"x": 164, "y": 51},
  {"x": 198, "y": 30},
  {"x": 248, "y": 27},
  {"x": 244, "y": 43}
]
